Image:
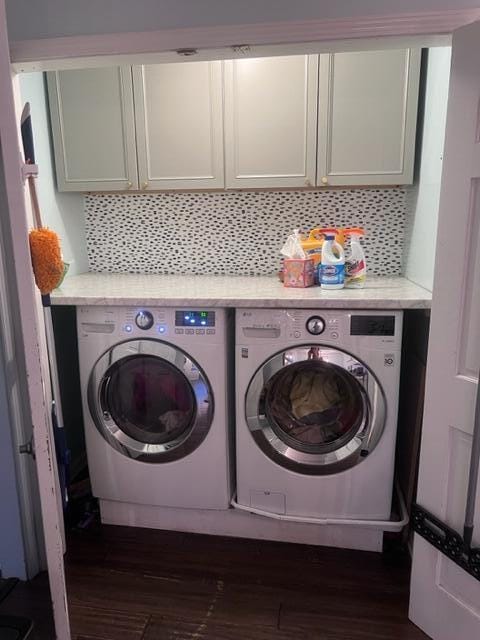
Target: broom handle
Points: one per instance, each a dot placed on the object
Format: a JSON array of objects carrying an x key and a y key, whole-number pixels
[
  {"x": 34, "y": 200},
  {"x": 47, "y": 312}
]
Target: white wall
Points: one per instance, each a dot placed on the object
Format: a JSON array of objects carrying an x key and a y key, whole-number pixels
[
  {"x": 50, "y": 18},
  {"x": 420, "y": 257},
  {"x": 62, "y": 212}
]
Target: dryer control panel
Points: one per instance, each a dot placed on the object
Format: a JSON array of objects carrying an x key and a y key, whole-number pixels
[{"x": 371, "y": 328}]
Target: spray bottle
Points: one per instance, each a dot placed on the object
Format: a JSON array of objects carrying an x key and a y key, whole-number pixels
[{"x": 355, "y": 264}]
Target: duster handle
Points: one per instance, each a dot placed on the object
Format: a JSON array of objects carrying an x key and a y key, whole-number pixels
[{"x": 34, "y": 200}]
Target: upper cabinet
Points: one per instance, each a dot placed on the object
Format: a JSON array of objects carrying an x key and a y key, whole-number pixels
[
  {"x": 288, "y": 121},
  {"x": 93, "y": 129},
  {"x": 178, "y": 116},
  {"x": 367, "y": 117},
  {"x": 163, "y": 129},
  {"x": 270, "y": 121}
]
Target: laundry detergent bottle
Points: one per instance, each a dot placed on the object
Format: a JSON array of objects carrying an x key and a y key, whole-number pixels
[
  {"x": 355, "y": 264},
  {"x": 332, "y": 266}
]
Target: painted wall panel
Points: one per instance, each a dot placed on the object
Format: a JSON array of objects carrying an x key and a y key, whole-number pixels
[{"x": 421, "y": 232}]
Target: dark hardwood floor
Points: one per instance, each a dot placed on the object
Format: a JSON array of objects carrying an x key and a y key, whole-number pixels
[{"x": 139, "y": 584}]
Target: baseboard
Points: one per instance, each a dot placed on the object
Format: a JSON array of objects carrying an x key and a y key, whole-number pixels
[{"x": 240, "y": 524}]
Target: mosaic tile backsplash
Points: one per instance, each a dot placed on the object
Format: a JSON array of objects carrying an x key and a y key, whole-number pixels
[{"x": 235, "y": 233}]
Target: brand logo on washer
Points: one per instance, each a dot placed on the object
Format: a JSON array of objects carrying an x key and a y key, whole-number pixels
[
  {"x": 244, "y": 352},
  {"x": 389, "y": 360}
]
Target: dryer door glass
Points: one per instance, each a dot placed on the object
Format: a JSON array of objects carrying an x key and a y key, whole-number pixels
[
  {"x": 315, "y": 410},
  {"x": 149, "y": 399}
]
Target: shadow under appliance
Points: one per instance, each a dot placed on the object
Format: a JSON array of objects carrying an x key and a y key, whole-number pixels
[
  {"x": 155, "y": 405},
  {"x": 317, "y": 399}
]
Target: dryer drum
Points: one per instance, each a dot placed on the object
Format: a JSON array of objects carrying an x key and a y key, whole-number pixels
[{"x": 315, "y": 410}]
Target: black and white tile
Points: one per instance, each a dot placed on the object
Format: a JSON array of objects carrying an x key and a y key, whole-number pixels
[{"x": 235, "y": 233}]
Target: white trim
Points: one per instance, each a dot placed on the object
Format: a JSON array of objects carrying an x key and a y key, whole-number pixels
[{"x": 216, "y": 42}]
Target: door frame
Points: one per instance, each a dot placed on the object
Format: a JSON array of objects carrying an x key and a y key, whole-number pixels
[
  {"x": 12, "y": 350},
  {"x": 26, "y": 305},
  {"x": 428, "y": 29}
]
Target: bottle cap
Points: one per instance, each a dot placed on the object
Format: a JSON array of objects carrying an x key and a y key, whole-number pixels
[{"x": 354, "y": 231}]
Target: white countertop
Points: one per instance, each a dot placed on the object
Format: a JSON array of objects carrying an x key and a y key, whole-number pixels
[{"x": 234, "y": 291}]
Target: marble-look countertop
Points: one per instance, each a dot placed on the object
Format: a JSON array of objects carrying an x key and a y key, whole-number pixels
[{"x": 234, "y": 291}]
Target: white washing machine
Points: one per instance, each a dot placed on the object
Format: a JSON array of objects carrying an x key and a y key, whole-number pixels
[
  {"x": 317, "y": 400},
  {"x": 155, "y": 405}
]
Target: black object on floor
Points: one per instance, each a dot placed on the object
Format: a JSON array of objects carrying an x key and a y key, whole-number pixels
[
  {"x": 6, "y": 585},
  {"x": 14, "y": 628}
]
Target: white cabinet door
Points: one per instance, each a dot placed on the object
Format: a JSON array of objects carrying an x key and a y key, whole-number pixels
[
  {"x": 178, "y": 112},
  {"x": 93, "y": 129},
  {"x": 270, "y": 121},
  {"x": 445, "y": 599},
  {"x": 367, "y": 117}
]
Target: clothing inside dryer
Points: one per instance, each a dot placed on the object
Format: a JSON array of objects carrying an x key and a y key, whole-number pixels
[
  {"x": 314, "y": 403},
  {"x": 150, "y": 399}
]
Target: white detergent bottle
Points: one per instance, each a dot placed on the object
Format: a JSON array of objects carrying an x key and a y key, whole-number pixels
[
  {"x": 355, "y": 264},
  {"x": 332, "y": 266}
]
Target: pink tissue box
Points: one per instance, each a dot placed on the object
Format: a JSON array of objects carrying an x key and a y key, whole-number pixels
[{"x": 298, "y": 272}]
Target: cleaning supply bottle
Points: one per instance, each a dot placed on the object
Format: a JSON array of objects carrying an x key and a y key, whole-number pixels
[
  {"x": 332, "y": 267},
  {"x": 355, "y": 264},
  {"x": 312, "y": 244}
]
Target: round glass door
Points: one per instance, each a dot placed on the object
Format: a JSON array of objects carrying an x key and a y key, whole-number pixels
[
  {"x": 315, "y": 410},
  {"x": 150, "y": 400}
]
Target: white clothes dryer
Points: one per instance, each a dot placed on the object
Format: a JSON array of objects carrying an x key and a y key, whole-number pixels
[
  {"x": 155, "y": 405},
  {"x": 316, "y": 413}
]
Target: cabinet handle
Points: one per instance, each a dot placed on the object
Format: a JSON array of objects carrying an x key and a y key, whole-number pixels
[
  {"x": 324, "y": 180},
  {"x": 129, "y": 185},
  {"x": 144, "y": 185}
]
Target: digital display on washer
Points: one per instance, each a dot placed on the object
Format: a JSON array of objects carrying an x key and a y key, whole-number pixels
[
  {"x": 372, "y": 326},
  {"x": 194, "y": 318}
]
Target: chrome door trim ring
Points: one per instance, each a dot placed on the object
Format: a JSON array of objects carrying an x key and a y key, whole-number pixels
[
  {"x": 175, "y": 449},
  {"x": 281, "y": 452}
]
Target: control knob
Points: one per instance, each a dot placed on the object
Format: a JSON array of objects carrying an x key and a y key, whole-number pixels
[
  {"x": 315, "y": 325},
  {"x": 144, "y": 320}
]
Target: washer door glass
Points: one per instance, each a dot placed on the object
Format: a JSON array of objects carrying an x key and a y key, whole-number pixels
[
  {"x": 150, "y": 400},
  {"x": 315, "y": 410}
]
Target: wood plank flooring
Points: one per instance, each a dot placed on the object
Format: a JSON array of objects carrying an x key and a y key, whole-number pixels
[{"x": 138, "y": 584}]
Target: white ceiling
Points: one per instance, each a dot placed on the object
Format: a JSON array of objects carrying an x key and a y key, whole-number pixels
[{"x": 52, "y": 18}]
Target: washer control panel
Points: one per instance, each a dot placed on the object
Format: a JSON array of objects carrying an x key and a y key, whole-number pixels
[{"x": 152, "y": 322}]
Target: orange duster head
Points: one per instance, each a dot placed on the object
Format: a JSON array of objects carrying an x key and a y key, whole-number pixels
[{"x": 46, "y": 259}]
